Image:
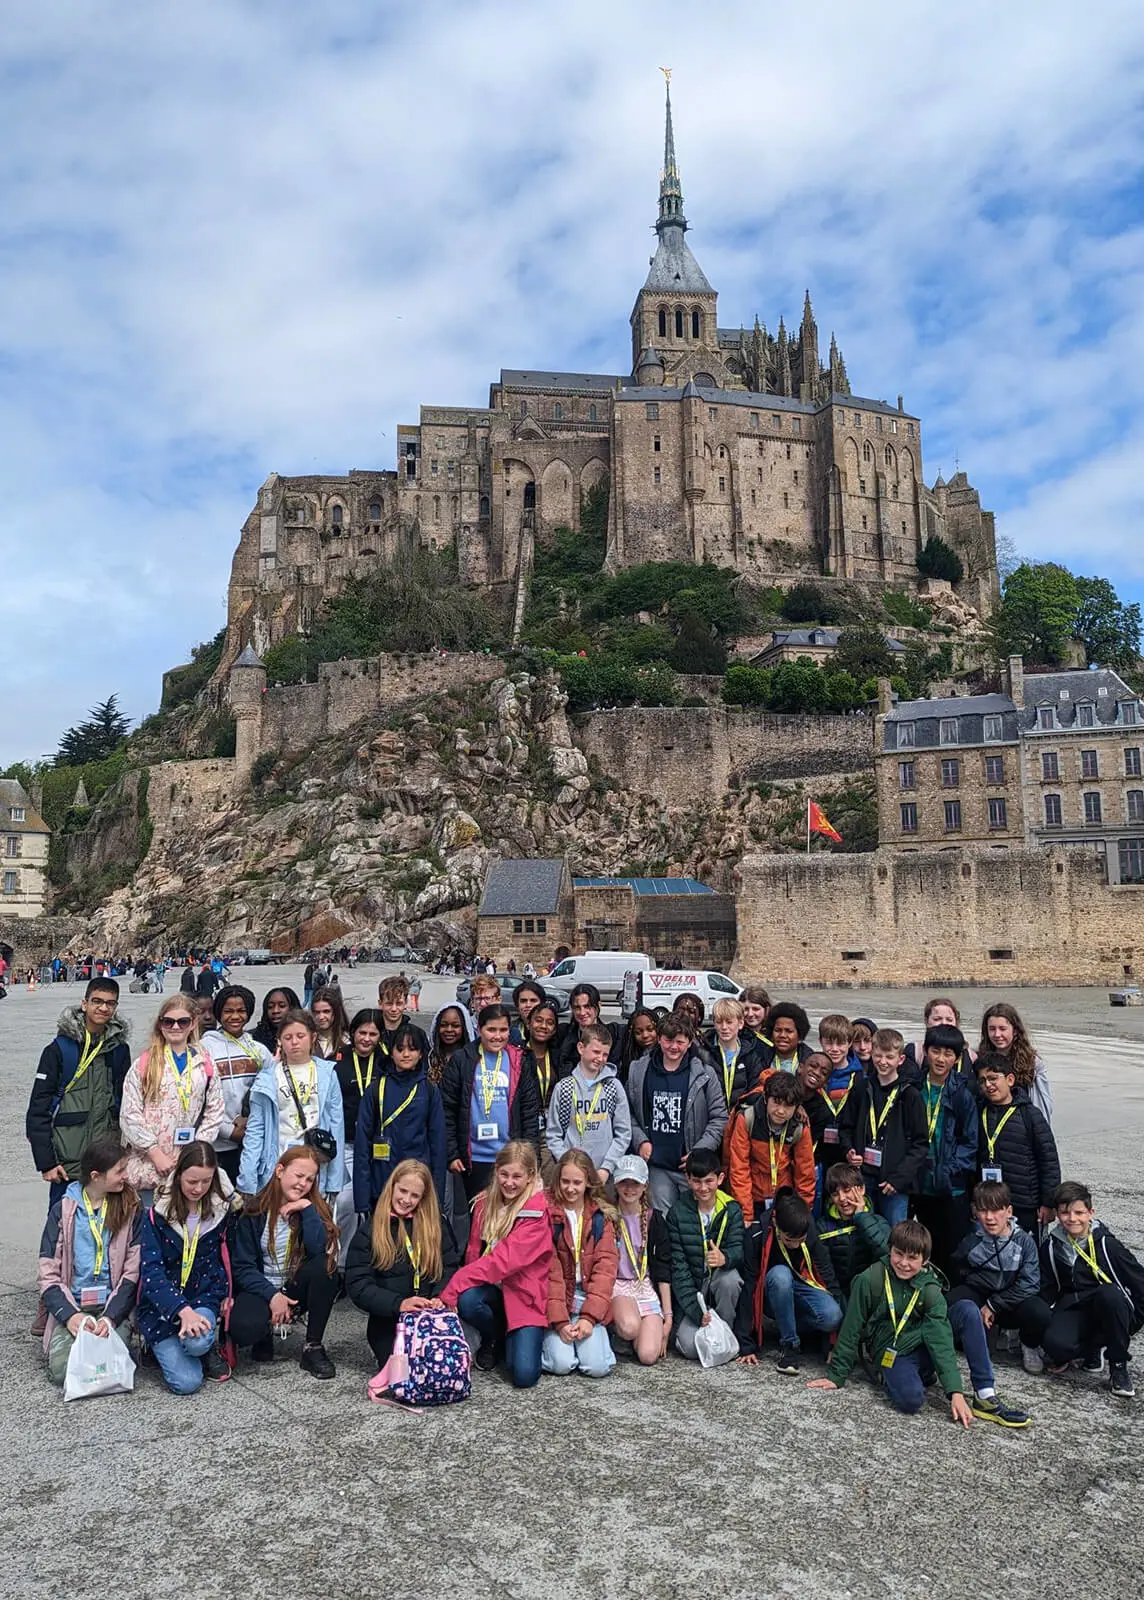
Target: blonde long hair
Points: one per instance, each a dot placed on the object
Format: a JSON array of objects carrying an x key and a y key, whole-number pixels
[
  {"x": 500, "y": 1214},
  {"x": 425, "y": 1221},
  {"x": 157, "y": 1048}
]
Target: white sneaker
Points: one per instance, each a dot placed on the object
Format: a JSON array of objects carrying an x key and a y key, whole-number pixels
[{"x": 1031, "y": 1358}]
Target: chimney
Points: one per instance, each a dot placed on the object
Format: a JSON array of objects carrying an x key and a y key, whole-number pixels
[
  {"x": 1015, "y": 672},
  {"x": 885, "y": 697}
]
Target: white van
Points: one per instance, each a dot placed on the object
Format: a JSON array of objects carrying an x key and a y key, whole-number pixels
[
  {"x": 604, "y": 969},
  {"x": 663, "y": 988}
]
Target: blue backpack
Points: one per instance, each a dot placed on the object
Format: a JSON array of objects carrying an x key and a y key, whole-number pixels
[{"x": 429, "y": 1365}]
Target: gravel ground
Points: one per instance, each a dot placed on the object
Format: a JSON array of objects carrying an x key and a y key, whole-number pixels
[{"x": 276, "y": 1485}]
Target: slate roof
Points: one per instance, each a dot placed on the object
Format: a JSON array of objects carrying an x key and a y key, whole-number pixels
[
  {"x": 522, "y": 888},
  {"x": 12, "y": 793},
  {"x": 1101, "y": 687},
  {"x": 646, "y": 886},
  {"x": 956, "y": 706},
  {"x": 248, "y": 658},
  {"x": 759, "y": 402},
  {"x": 674, "y": 270},
  {"x": 821, "y": 638},
  {"x": 517, "y": 378}
]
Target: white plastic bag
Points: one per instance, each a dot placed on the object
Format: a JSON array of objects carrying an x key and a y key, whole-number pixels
[
  {"x": 715, "y": 1343},
  {"x": 98, "y": 1365}
]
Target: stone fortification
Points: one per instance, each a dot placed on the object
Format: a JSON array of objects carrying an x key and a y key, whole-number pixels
[{"x": 944, "y": 918}]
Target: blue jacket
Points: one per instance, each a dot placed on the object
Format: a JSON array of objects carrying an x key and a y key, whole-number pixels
[
  {"x": 952, "y": 1159},
  {"x": 260, "y": 1150},
  {"x": 161, "y": 1260},
  {"x": 418, "y": 1134},
  {"x": 250, "y": 1249}
]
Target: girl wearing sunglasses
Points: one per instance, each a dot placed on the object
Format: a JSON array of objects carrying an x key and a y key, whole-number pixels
[{"x": 171, "y": 1098}]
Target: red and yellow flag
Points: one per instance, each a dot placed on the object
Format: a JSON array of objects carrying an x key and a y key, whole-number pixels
[{"x": 817, "y": 823}]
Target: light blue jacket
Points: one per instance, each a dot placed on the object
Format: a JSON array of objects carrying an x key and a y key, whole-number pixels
[{"x": 260, "y": 1150}]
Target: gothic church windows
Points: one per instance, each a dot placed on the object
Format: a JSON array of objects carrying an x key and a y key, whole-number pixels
[
  {"x": 867, "y": 451},
  {"x": 558, "y": 412},
  {"x": 375, "y": 511},
  {"x": 679, "y": 322},
  {"x": 695, "y": 324},
  {"x": 663, "y": 322},
  {"x": 337, "y": 513}
]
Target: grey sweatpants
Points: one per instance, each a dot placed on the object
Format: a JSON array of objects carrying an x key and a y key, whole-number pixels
[{"x": 722, "y": 1295}]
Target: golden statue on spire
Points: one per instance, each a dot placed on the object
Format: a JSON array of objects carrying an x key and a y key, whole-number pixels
[{"x": 666, "y": 73}]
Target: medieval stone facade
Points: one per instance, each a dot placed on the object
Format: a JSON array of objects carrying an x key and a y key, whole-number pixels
[{"x": 739, "y": 447}]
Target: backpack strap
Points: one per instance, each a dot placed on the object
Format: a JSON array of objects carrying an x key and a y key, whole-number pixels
[{"x": 69, "y": 1056}]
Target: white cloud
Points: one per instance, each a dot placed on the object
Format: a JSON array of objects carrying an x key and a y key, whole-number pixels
[{"x": 237, "y": 238}]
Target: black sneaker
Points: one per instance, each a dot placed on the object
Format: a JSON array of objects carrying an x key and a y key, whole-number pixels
[
  {"x": 788, "y": 1360},
  {"x": 486, "y": 1356},
  {"x": 264, "y": 1349},
  {"x": 1120, "y": 1382},
  {"x": 1094, "y": 1361},
  {"x": 316, "y": 1362},
  {"x": 995, "y": 1410},
  {"x": 214, "y": 1367}
]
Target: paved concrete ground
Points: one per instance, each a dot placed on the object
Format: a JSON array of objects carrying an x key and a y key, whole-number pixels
[{"x": 665, "y": 1483}]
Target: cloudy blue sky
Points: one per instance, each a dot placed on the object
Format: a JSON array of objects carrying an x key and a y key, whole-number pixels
[{"x": 239, "y": 237}]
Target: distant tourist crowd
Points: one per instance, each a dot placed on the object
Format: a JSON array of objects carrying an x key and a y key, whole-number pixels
[{"x": 505, "y": 1188}]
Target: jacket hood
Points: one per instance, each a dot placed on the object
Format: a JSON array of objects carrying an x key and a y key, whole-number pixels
[
  {"x": 74, "y": 1193},
  {"x": 232, "y": 1204},
  {"x": 608, "y": 1070},
  {"x": 654, "y": 1058},
  {"x": 467, "y": 1017},
  {"x": 1058, "y": 1235},
  {"x": 70, "y": 1026}
]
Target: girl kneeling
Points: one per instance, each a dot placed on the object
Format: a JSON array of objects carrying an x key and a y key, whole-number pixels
[
  {"x": 582, "y": 1278},
  {"x": 641, "y": 1305},
  {"x": 403, "y": 1261},
  {"x": 285, "y": 1262},
  {"x": 502, "y": 1289},
  {"x": 184, "y": 1279},
  {"x": 89, "y": 1253}
]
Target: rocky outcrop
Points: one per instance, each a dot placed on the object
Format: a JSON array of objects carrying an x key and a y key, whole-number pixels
[{"x": 388, "y": 832}]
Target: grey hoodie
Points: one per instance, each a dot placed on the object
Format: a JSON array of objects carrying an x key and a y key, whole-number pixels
[{"x": 590, "y": 1114}]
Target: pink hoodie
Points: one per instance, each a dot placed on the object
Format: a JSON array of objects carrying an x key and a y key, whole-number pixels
[{"x": 519, "y": 1265}]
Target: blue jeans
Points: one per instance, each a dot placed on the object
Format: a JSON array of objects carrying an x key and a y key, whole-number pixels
[
  {"x": 483, "y": 1306},
  {"x": 965, "y": 1320},
  {"x": 905, "y": 1382},
  {"x": 893, "y": 1207},
  {"x": 593, "y": 1356},
  {"x": 798, "y": 1307},
  {"x": 181, "y": 1359}
]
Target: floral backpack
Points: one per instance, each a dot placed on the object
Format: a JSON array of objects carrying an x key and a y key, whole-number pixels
[{"x": 429, "y": 1365}]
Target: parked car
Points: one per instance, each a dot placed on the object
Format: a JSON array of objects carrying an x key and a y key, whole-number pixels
[
  {"x": 507, "y": 982},
  {"x": 258, "y": 958},
  {"x": 604, "y": 969}
]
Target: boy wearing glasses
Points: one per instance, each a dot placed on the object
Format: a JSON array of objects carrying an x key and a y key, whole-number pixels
[{"x": 78, "y": 1085}]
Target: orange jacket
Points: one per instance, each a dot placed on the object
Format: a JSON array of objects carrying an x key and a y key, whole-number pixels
[
  {"x": 599, "y": 1263},
  {"x": 750, "y": 1150}
]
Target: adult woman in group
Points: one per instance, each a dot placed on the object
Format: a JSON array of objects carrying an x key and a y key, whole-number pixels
[
  {"x": 275, "y": 1005},
  {"x": 171, "y": 1096},
  {"x": 1003, "y": 1031},
  {"x": 285, "y": 1263}
]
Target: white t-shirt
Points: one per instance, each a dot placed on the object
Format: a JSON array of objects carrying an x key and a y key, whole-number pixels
[{"x": 290, "y": 1129}]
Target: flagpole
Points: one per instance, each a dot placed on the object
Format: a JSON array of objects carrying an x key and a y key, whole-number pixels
[{"x": 808, "y": 827}]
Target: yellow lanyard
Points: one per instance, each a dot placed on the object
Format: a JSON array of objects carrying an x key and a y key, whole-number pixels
[
  {"x": 414, "y": 1257},
  {"x": 581, "y": 1121},
  {"x": 810, "y": 1275},
  {"x": 190, "y": 1246},
  {"x": 992, "y": 1138},
  {"x": 185, "y": 1080},
  {"x": 393, "y": 1115},
  {"x": 837, "y": 1233},
  {"x": 639, "y": 1266},
  {"x": 896, "y": 1322},
  {"x": 362, "y": 1087},
  {"x": 96, "y": 1224},
  {"x": 247, "y": 1049},
  {"x": 830, "y": 1106},
  {"x": 91, "y": 1048},
  {"x": 774, "y": 1160},
  {"x": 544, "y": 1075},
  {"x": 1090, "y": 1260},
  {"x": 578, "y": 1244},
  {"x": 876, "y": 1127},
  {"x": 709, "y": 1239},
  {"x": 729, "y": 1071},
  {"x": 933, "y": 1109},
  {"x": 489, "y": 1083}
]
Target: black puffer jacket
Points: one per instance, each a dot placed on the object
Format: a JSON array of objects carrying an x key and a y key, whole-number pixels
[
  {"x": 902, "y": 1137},
  {"x": 379, "y": 1294},
  {"x": 1025, "y": 1150}
]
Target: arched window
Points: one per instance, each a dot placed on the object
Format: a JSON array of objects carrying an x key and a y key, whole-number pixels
[
  {"x": 336, "y": 516},
  {"x": 662, "y": 323},
  {"x": 695, "y": 324},
  {"x": 375, "y": 511},
  {"x": 591, "y": 413},
  {"x": 558, "y": 412},
  {"x": 889, "y": 456},
  {"x": 436, "y": 508},
  {"x": 484, "y": 505},
  {"x": 678, "y": 322},
  {"x": 867, "y": 451}
]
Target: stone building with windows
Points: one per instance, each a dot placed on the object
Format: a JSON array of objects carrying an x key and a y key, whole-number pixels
[
  {"x": 25, "y": 839},
  {"x": 727, "y": 444},
  {"x": 1056, "y": 760}
]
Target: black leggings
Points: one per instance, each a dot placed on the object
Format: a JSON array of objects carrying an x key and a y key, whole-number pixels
[
  {"x": 380, "y": 1332},
  {"x": 315, "y": 1291}
]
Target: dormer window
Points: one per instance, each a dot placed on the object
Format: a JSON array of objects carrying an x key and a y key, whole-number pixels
[
  {"x": 1045, "y": 717},
  {"x": 906, "y": 735},
  {"x": 17, "y": 813},
  {"x": 948, "y": 733},
  {"x": 994, "y": 728},
  {"x": 1086, "y": 714},
  {"x": 1128, "y": 712}
]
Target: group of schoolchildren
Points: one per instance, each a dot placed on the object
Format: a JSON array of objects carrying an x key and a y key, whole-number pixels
[{"x": 572, "y": 1190}]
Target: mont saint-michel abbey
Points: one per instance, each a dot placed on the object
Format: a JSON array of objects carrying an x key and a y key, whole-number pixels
[{"x": 738, "y": 445}]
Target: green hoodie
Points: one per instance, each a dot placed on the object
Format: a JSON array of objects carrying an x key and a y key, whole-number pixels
[{"x": 867, "y": 1322}]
